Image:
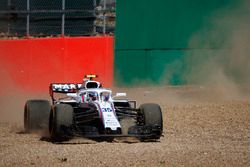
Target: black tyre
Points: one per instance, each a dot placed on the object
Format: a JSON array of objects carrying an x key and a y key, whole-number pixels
[
  {"x": 61, "y": 119},
  {"x": 36, "y": 115},
  {"x": 152, "y": 116}
]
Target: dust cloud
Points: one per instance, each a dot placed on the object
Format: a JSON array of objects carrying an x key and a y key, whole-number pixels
[
  {"x": 224, "y": 48},
  {"x": 13, "y": 98},
  {"x": 12, "y": 105},
  {"x": 220, "y": 54},
  {"x": 215, "y": 67}
]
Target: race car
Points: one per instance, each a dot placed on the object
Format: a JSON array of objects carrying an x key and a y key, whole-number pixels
[{"x": 91, "y": 111}]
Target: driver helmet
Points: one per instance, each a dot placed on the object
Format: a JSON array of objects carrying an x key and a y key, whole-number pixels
[
  {"x": 105, "y": 96},
  {"x": 93, "y": 96}
]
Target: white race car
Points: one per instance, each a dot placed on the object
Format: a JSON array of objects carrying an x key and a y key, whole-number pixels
[{"x": 89, "y": 110}]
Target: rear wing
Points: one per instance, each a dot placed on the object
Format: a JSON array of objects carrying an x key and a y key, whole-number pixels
[{"x": 63, "y": 88}]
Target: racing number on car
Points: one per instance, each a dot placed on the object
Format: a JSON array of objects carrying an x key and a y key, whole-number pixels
[{"x": 107, "y": 110}]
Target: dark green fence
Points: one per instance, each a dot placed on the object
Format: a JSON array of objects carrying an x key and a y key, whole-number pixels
[{"x": 40, "y": 18}]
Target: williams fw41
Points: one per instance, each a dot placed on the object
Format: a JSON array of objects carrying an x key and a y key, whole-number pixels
[{"x": 91, "y": 111}]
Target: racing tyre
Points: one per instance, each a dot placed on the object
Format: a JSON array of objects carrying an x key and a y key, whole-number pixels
[
  {"x": 36, "y": 115},
  {"x": 61, "y": 119},
  {"x": 152, "y": 117}
]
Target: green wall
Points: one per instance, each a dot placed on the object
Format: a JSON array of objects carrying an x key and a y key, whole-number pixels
[
  {"x": 154, "y": 38},
  {"x": 134, "y": 66}
]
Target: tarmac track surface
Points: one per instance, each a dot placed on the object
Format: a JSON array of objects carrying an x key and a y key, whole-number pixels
[{"x": 202, "y": 127}]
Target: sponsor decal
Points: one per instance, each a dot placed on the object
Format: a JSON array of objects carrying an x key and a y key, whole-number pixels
[
  {"x": 107, "y": 110},
  {"x": 63, "y": 87}
]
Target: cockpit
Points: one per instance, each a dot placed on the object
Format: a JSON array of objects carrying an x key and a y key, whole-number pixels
[
  {"x": 105, "y": 96},
  {"x": 93, "y": 96},
  {"x": 87, "y": 96}
]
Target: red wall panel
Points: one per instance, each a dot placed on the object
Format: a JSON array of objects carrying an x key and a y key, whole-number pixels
[{"x": 31, "y": 64}]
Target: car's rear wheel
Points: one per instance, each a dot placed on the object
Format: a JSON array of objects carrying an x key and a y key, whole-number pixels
[
  {"x": 61, "y": 119},
  {"x": 36, "y": 115},
  {"x": 152, "y": 116}
]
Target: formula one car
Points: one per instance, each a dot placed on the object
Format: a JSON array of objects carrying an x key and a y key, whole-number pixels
[{"x": 89, "y": 110}]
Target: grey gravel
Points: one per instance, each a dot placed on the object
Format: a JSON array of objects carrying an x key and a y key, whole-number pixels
[{"x": 200, "y": 129}]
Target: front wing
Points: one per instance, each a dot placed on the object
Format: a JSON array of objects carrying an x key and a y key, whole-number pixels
[{"x": 140, "y": 131}]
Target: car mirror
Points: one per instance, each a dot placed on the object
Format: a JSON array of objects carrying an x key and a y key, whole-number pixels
[
  {"x": 120, "y": 94},
  {"x": 74, "y": 95}
]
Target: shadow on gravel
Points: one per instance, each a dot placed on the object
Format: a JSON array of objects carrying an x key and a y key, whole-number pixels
[
  {"x": 47, "y": 139},
  {"x": 21, "y": 132},
  {"x": 82, "y": 140},
  {"x": 71, "y": 141}
]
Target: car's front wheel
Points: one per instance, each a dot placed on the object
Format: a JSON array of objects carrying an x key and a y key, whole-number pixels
[
  {"x": 61, "y": 119},
  {"x": 152, "y": 116}
]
